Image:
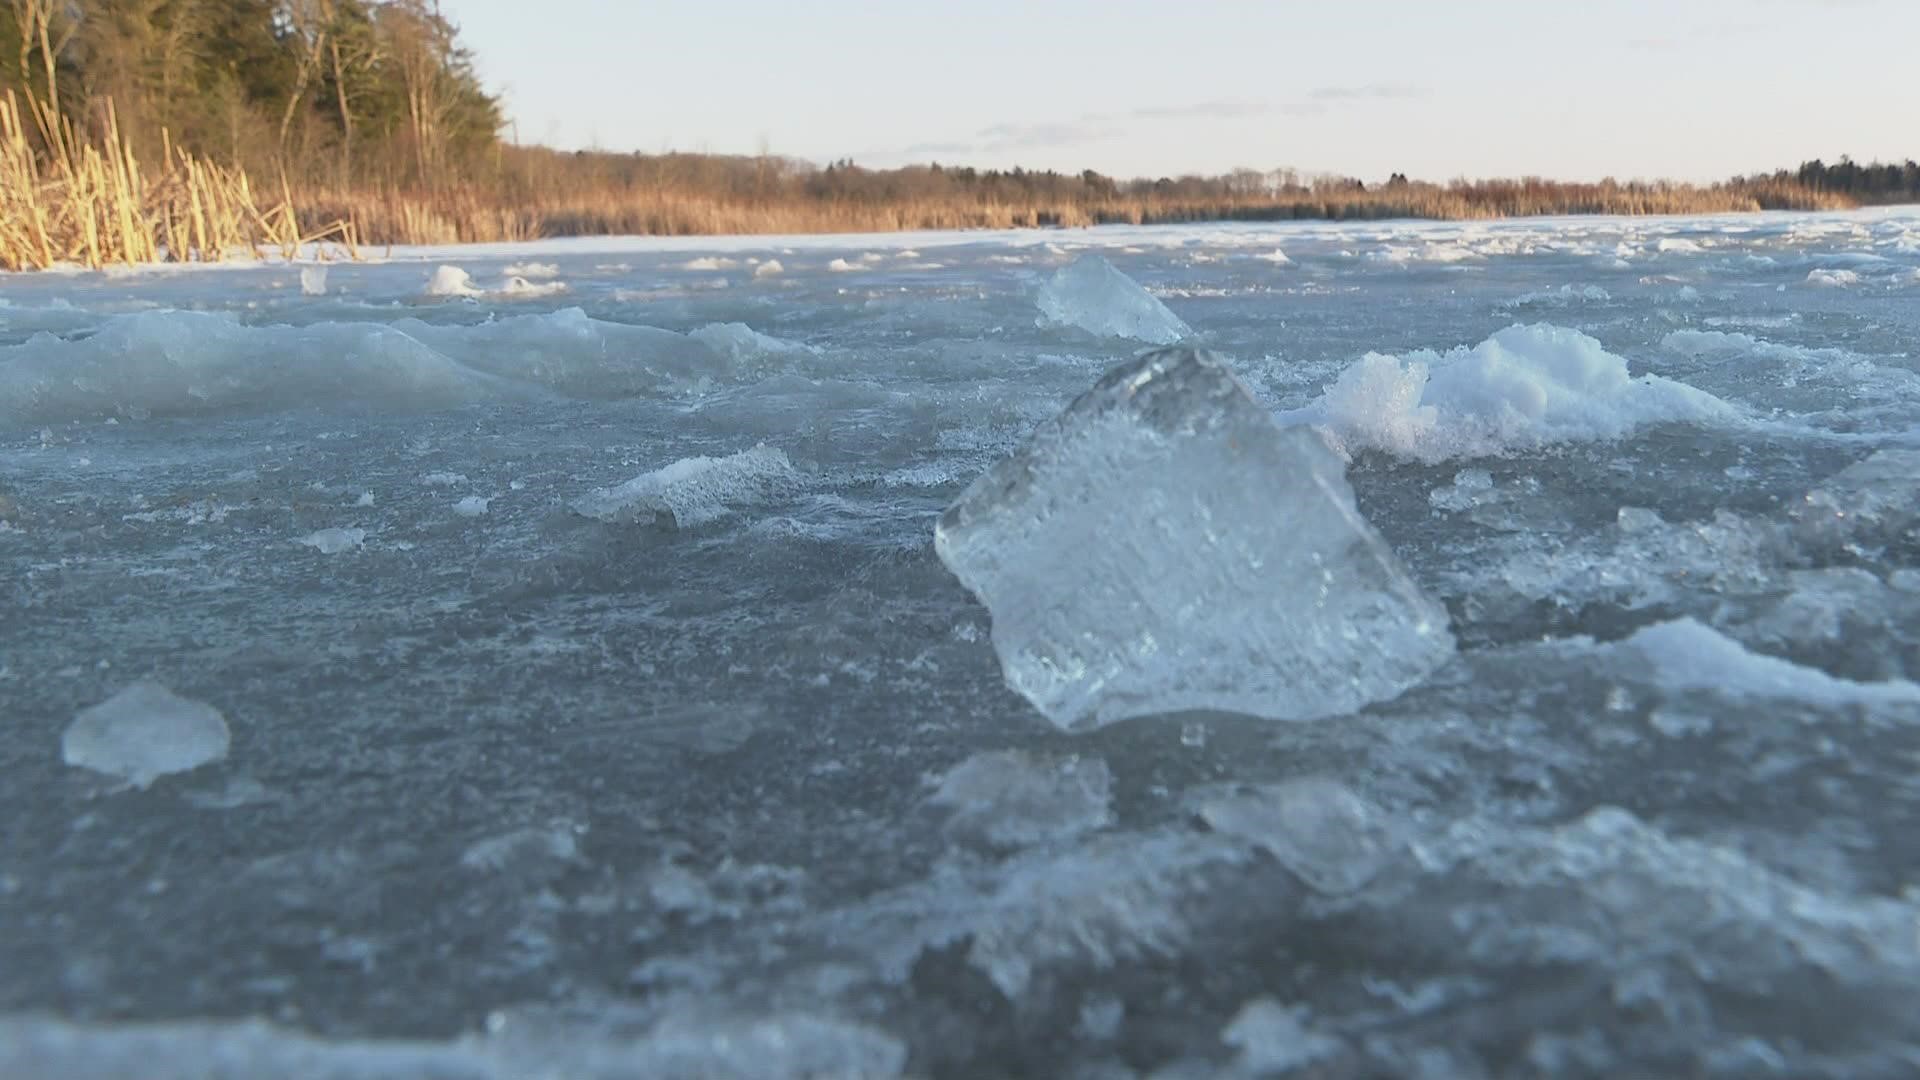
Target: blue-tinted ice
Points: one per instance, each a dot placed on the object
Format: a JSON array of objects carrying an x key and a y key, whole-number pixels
[{"x": 723, "y": 777}]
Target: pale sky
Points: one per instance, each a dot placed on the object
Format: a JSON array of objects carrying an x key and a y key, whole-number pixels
[{"x": 1688, "y": 89}]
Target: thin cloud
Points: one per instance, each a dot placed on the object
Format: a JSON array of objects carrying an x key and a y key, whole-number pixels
[
  {"x": 1048, "y": 135},
  {"x": 1095, "y": 127},
  {"x": 1204, "y": 110},
  {"x": 1367, "y": 92}
]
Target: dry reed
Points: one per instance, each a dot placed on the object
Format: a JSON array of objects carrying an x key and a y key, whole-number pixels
[{"x": 92, "y": 205}]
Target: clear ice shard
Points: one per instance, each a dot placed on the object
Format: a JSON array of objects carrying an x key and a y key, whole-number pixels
[
  {"x": 1165, "y": 545},
  {"x": 1092, "y": 295},
  {"x": 145, "y": 732}
]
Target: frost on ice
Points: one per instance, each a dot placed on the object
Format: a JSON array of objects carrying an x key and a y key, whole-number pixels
[
  {"x": 1093, "y": 296},
  {"x": 143, "y": 733},
  {"x": 1162, "y": 545},
  {"x": 692, "y": 491}
]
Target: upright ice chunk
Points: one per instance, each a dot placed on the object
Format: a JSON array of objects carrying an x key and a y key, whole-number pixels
[
  {"x": 1164, "y": 545},
  {"x": 313, "y": 281},
  {"x": 143, "y": 733},
  {"x": 1093, "y": 296}
]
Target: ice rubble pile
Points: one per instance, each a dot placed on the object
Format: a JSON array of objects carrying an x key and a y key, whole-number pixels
[
  {"x": 1091, "y": 295},
  {"x": 1163, "y": 545},
  {"x": 693, "y": 491},
  {"x": 1524, "y": 387}
]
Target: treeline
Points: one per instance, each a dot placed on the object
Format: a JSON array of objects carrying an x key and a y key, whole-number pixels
[
  {"x": 1863, "y": 183},
  {"x": 334, "y": 92},
  {"x": 365, "y": 119}
]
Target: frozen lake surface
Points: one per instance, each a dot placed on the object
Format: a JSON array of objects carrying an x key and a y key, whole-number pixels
[{"x": 544, "y": 666}]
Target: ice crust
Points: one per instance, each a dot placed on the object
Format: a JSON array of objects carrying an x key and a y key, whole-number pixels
[
  {"x": 693, "y": 491},
  {"x": 1091, "y": 295},
  {"x": 747, "y": 799},
  {"x": 1522, "y": 388},
  {"x": 1163, "y": 546},
  {"x": 143, "y": 733},
  {"x": 787, "y": 1047}
]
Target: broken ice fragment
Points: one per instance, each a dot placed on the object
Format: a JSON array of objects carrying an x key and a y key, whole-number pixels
[
  {"x": 692, "y": 491},
  {"x": 1093, "y": 296},
  {"x": 1164, "y": 545},
  {"x": 145, "y": 732},
  {"x": 334, "y": 541},
  {"x": 1273, "y": 1038},
  {"x": 1011, "y": 799},
  {"x": 1330, "y": 838}
]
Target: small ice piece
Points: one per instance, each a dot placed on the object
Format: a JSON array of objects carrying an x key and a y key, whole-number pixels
[
  {"x": 1277, "y": 257},
  {"x": 145, "y": 732},
  {"x": 842, "y": 266},
  {"x": 1011, "y": 800},
  {"x": 1163, "y": 545},
  {"x": 1273, "y": 1038},
  {"x": 1330, "y": 838},
  {"x": 1471, "y": 488},
  {"x": 1090, "y": 294},
  {"x": 770, "y": 268},
  {"x": 443, "y": 479},
  {"x": 472, "y": 506},
  {"x": 334, "y": 541},
  {"x": 1833, "y": 279},
  {"x": 452, "y": 281},
  {"x": 313, "y": 281},
  {"x": 692, "y": 491}
]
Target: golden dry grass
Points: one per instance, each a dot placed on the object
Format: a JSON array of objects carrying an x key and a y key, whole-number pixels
[
  {"x": 67, "y": 200},
  {"x": 93, "y": 205}
]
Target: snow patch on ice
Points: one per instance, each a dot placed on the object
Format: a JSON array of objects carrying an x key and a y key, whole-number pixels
[{"x": 1522, "y": 388}]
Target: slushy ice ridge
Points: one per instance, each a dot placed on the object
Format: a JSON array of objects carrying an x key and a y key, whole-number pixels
[{"x": 1469, "y": 651}]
